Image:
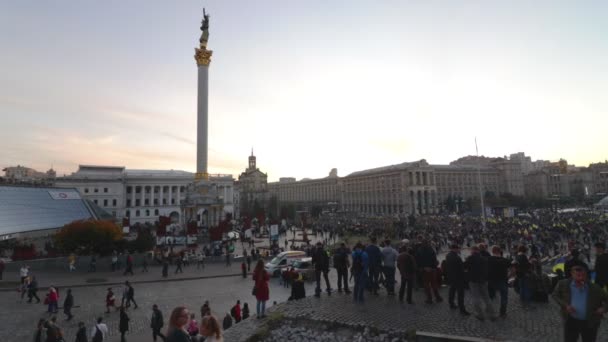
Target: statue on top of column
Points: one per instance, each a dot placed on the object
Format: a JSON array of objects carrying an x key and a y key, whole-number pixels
[{"x": 205, "y": 29}]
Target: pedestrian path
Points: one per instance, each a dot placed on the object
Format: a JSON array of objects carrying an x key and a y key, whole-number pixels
[{"x": 64, "y": 279}]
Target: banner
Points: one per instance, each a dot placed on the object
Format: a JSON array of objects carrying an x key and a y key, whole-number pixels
[{"x": 64, "y": 195}]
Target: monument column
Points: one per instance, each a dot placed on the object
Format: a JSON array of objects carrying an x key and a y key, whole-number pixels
[{"x": 203, "y": 59}]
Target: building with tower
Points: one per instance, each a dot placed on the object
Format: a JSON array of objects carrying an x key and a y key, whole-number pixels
[{"x": 253, "y": 188}]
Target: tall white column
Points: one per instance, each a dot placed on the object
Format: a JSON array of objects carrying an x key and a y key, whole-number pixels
[
  {"x": 178, "y": 195},
  {"x": 152, "y": 195},
  {"x": 170, "y": 195},
  {"x": 162, "y": 189},
  {"x": 143, "y": 196},
  {"x": 133, "y": 196}
]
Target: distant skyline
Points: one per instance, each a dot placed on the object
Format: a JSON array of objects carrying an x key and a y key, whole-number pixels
[{"x": 309, "y": 85}]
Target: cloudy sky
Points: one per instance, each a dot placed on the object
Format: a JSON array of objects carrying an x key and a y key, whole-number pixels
[{"x": 310, "y": 85}]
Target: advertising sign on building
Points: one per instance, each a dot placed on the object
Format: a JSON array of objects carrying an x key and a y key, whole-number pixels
[{"x": 64, "y": 195}]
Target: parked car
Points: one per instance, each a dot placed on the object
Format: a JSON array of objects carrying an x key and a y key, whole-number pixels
[
  {"x": 279, "y": 263},
  {"x": 305, "y": 268}
]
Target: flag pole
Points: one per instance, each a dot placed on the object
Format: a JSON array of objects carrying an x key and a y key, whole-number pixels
[{"x": 483, "y": 208}]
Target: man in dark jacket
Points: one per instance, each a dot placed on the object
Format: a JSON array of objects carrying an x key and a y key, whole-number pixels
[
  {"x": 498, "y": 277},
  {"x": 341, "y": 264},
  {"x": 68, "y": 303},
  {"x": 406, "y": 263},
  {"x": 601, "y": 265},
  {"x": 375, "y": 264},
  {"x": 156, "y": 323},
  {"x": 454, "y": 269},
  {"x": 321, "y": 261},
  {"x": 583, "y": 305},
  {"x": 477, "y": 266},
  {"x": 426, "y": 259}
]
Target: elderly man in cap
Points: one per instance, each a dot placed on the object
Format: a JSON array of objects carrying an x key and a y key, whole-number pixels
[{"x": 583, "y": 305}]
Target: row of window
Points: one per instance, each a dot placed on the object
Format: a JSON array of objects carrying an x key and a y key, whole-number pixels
[
  {"x": 105, "y": 202},
  {"x": 156, "y": 189},
  {"x": 146, "y": 202},
  {"x": 137, "y": 213},
  {"x": 95, "y": 190}
]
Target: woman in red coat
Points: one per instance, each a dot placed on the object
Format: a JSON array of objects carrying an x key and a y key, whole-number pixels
[{"x": 262, "y": 292}]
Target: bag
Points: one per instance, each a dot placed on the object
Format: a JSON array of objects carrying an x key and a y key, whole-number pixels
[
  {"x": 254, "y": 291},
  {"x": 233, "y": 312},
  {"x": 98, "y": 335},
  {"x": 358, "y": 263}
]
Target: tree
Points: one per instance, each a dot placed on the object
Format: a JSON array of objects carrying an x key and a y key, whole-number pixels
[
  {"x": 88, "y": 236},
  {"x": 144, "y": 242}
]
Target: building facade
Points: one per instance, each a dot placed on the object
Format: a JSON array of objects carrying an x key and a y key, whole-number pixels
[
  {"x": 308, "y": 192},
  {"x": 252, "y": 187},
  {"x": 140, "y": 195},
  {"x": 26, "y": 175}
]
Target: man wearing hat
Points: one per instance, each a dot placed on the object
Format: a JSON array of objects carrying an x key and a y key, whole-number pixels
[{"x": 583, "y": 305}]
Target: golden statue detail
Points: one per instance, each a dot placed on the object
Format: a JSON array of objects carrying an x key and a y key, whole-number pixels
[{"x": 202, "y": 55}]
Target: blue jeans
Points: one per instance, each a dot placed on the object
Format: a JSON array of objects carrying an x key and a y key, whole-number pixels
[
  {"x": 261, "y": 308},
  {"x": 360, "y": 282},
  {"x": 502, "y": 288}
]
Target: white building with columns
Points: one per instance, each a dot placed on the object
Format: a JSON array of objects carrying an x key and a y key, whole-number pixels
[{"x": 141, "y": 195}]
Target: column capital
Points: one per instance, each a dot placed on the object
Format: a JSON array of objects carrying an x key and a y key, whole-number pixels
[{"x": 202, "y": 56}]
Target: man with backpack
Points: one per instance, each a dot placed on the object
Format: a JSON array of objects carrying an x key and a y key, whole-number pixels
[
  {"x": 321, "y": 261},
  {"x": 341, "y": 264},
  {"x": 359, "y": 271},
  {"x": 407, "y": 267},
  {"x": 99, "y": 331}
]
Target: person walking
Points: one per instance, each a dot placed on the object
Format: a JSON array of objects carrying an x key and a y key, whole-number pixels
[
  {"x": 227, "y": 323},
  {"x": 110, "y": 300},
  {"x": 130, "y": 295},
  {"x": 24, "y": 272},
  {"x": 165, "y": 268},
  {"x": 99, "y": 331},
  {"x": 156, "y": 323},
  {"x": 53, "y": 299},
  {"x": 53, "y": 331},
  {"x": 72, "y": 262},
  {"x": 426, "y": 259},
  {"x": 114, "y": 261},
  {"x": 210, "y": 329},
  {"x": 342, "y": 264},
  {"x": 200, "y": 261},
  {"x": 389, "y": 257},
  {"x": 320, "y": 260},
  {"x": 68, "y": 304},
  {"x": 236, "y": 312},
  {"x": 248, "y": 263},
  {"x": 178, "y": 267},
  {"x": 523, "y": 271},
  {"x": 123, "y": 324},
  {"x": 498, "y": 277},
  {"x": 454, "y": 270},
  {"x": 359, "y": 271},
  {"x": 407, "y": 268},
  {"x": 176, "y": 332},
  {"x": 582, "y": 304},
  {"x": 601, "y": 265},
  {"x": 477, "y": 266},
  {"x": 33, "y": 290},
  {"x": 205, "y": 309},
  {"x": 81, "y": 334},
  {"x": 39, "y": 335},
  {"x": 93, "y": 264},
  {"x": 24, "y": 288},
  {"x": 1, "y": 268},
  {"x": 375, "y": 264},
  {"x": 245, "y": 311},
  {"x": 261, "y": 290},
  {"x": 244, "y": 270},
  {"x": 129, "y": 262}
]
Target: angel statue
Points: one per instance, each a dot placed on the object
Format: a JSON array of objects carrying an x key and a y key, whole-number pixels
[{"x": 205, "y": 29}]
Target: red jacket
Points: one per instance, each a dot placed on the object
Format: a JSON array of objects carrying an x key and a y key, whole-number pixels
[
  {"x": 53, "y": 296},
  {"x": 261, "y": 279},
  {"x": 237, "y": 312}
]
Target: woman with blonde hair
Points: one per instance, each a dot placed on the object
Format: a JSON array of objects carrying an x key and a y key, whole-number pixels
[
  {"x": 210, "y": 328},
  {"x": 176, "y": 332}
]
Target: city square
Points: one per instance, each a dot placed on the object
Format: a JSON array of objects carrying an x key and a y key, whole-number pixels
[{"x": 434, "y": 229}]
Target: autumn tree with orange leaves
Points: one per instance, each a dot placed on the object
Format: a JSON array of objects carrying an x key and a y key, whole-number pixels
[{"x": 87, "y": 237}]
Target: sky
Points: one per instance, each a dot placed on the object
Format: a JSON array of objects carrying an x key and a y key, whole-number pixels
[{"x": 309, "y": 85}]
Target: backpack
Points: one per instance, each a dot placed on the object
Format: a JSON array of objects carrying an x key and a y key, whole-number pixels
[
  {"x": 98, "y": 337},
  {"x": 358, "y": 263}
]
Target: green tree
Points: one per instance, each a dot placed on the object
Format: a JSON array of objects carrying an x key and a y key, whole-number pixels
[
  {"x": 144, "y": 242},
  {"x": 88, "y": 236}
]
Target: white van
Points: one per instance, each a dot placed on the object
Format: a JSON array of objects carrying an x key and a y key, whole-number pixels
[{"x": 282, "y": 261}]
